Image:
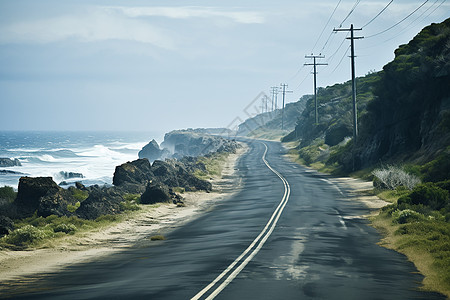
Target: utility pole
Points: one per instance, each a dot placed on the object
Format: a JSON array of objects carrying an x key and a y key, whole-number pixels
[
  {"x": 274, "y": 97},
  {"x": 315, "y": 81},
  {"x": 284, "y": 86},
  {"x": 352, "y": 39}
]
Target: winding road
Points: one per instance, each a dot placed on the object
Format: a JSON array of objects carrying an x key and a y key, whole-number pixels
[{"x": 287, "y": 233}]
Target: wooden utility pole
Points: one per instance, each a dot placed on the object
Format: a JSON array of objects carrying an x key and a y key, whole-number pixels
[
  {"x": 352, "y": 39},
  {"x": 316, "y": 114},
  {"x": 274, "y": 97},
  {"x": 284, "y": 86}
]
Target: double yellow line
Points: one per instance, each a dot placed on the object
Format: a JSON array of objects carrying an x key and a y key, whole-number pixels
[{"x": 239, "y": 263}]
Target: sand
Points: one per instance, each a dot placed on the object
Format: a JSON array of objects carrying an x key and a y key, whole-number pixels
[{"x": 150, "y": 221}]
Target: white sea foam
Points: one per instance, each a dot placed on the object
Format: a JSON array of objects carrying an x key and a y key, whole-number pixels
[{"x": 97, "y": 162}]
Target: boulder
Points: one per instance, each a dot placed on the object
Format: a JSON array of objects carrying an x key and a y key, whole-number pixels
[
  {"x": 151, "y": 151},
  {"x": 30, "y": 190},
  {"x": 6, "y": 225},
  {"x": 174, "y": 174},
  {"x": 136, "y": 172},
  {"x": 101, "y": 201},
  {"x": 7, "y": 162},
  {"x": 55, "y": 204},
  {"x": 154, "y": 193}
]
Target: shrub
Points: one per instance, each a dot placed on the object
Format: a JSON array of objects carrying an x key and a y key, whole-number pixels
[
  {"x": 132, "y": 197},
  {"x": 158, "y": 237},
  {"x": 392, "y": 177},
  {"x": 79, "y": 194},
  {"x": 73, "y": 208},
  {"x": 128, "y": 205},
  {"x": 7, "y": 193},
  {"x": 429, "y": 194},
  {"x": 66, "y": 228},
  {"x": 406, "y": 216},
  {"x": 438, "y": 169},
  {"x": 25, "y": 235}
]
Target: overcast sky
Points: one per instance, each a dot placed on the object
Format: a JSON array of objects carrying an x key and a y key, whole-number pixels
[{"x": 162, "y": 65}]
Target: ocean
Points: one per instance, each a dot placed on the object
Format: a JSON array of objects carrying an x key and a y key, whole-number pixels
[{"x": 94, "y": 155}]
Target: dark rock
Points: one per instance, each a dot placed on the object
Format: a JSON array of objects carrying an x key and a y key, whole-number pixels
[
  {"x": 69, "y": 175},
  {"x": 136, "y": 172},
  {"x": 80, "y": 186},
  {"x": 7, "y": 162},
  {"x": 43, "y": 196},
  {"x": 154, "y": 193},
  {"x": 195, "y": 143},
  {"x": 55, "y": 204},
  {"x": 9, "y": 172},
  {"x": 6, "y": 225},
  {"x": 174, "y": 174},
  {"x": 31, "y": 189},
  {"x": 101, "y": 201},
  {"x": 151, "y": 151}
]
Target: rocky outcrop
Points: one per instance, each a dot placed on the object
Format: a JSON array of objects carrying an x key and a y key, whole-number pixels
[
  {"x": 7, "y": 162},
  {"x": 6, "y": 225},
  {"x": 174, "y": 174},
  {"x": 101, "y": 201},
  {"x": 70, "y": 175},
  {"x": 191, "y": 143},
  {"x": 154, "y": 193},
  {"x": 133, "y": 176},
  {"x": 9, "y": 172},
  {"x": 43, "y": 196},
  {"x": 152, "y": 152},
  {"x": 30, "y": 190}
]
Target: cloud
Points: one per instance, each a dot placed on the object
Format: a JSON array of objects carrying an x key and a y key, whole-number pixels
[
  {"x": 245, "y": 17},
  {"x": 95, "y": 25}
]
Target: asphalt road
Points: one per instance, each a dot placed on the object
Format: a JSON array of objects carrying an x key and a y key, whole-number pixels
[{"x": 288, "y": 233}]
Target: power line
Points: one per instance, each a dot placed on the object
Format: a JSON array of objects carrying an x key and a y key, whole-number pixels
[
  {"x": 337, "y": 50},
  {"x": 396, "y": 24},
  {"x": 326, "y": 42},
  {"x": 351, "y": 11},
  {"x": 296, "y": 74},
  {"x": 342, "y": 58},
  {"x": 329, "y": 19},
  {"x": 435, "y": 9},
  {"x": 414, "y": 21},
  {"x": 373, "y": 19},
  {"x": 303, "y": 80}
]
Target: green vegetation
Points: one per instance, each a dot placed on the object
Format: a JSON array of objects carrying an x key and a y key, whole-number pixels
[
  {"x": 73, "y": 208},
  {"x": 131, "y": 202},
  {"x": 7, "y": 193},
  {"x": 158, "y": 237},
  {"x": 79, "y": 195},
  {"x": 263, "y": 133},
  {"x": 38, "y": 231},
  {"x": 213, "y": 163},
  {"x": 413, "y": 226}
]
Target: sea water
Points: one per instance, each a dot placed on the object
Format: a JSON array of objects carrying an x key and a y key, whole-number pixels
[{"x": 93, "y": 154}]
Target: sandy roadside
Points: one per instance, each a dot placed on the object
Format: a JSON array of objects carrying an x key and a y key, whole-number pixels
[{"x": 149, "y": 221}]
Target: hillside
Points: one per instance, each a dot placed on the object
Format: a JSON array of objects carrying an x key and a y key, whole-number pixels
[
  {"x": 410, "y": 116},
  {"x": 334, "y": 112},
  {"x": 271, "y": 122}
]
